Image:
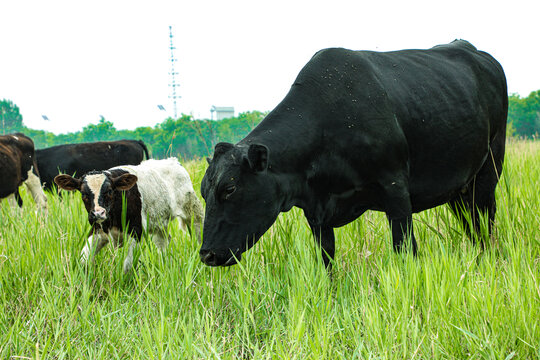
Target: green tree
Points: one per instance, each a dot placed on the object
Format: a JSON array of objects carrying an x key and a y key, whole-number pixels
[
  {"x": 234, "y": 129},
  {"x": 10, "y": 117},
  {"x": 524, "y": 114},
  {"x": 102, "y": 131}
]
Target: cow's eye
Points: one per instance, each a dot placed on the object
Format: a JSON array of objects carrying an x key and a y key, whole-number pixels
[
  {"x": 229, "y": 190},
  {"x": 85, "y": 198}
]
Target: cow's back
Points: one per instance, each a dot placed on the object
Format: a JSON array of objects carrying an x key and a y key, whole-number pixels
[
  {"x": 450, "y": 102},
  {"x": 78, "y": 159},
  {"x": 358, "y": 115},
  {"x": 163, "y": 185}
]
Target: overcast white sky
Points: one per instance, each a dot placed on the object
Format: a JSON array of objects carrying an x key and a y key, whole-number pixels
[{"x": 74, "y": 61}]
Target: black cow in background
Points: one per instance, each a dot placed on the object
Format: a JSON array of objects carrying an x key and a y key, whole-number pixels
[
  {"x": 81, "y": 158},
  {"x": 18, "y": 166},
  {"x": 398, "y": 132}
]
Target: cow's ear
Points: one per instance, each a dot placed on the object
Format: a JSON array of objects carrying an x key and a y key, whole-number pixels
[
  {"x": 67, "y": 182},
  {"x": 257, "y": 157},
  {"x": 221, "y": 148},
  {"x": 124, "y": 182}
]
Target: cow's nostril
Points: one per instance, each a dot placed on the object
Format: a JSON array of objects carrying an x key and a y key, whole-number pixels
[
  {"x": 100, "y": 214},
  {"x": 208, "y": 257}
]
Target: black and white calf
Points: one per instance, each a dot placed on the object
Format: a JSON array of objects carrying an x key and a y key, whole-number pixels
[{"x": 156, "y": 191}]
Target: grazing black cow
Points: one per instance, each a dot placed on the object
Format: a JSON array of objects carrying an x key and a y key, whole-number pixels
[
  {"x": 81, "y": 158},
  {"x": 398, "y": 132},
  {"x": 18, "y": 166}
]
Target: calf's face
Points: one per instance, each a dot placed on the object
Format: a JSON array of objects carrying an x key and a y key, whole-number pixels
[{"x": 98, "y": 190}]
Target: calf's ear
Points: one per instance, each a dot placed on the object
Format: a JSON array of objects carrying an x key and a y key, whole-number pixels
[
  {"x": 67, "y": 182},
  {"x": 124, "y": 182},
  {"x": 257, "y": 157}
]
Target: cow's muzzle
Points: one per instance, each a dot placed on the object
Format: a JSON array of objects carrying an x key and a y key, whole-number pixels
[
  {"x": 228, "y": 258},
  {"x": 97, "y": 216}
]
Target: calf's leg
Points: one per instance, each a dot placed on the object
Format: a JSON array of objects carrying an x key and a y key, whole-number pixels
[
  {"x": 128, "y": 261},
  {"x": 95, "y": 242}
]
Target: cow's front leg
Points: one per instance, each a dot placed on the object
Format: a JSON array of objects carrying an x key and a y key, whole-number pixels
[
  {"x": 34, "y": 186},
  {"x": 402, "y": 228},
  {"x": 399, "y": 213},
  {"x": 128, "y": 261},
  {"x": 96, "y": 241},
  {"x": 14, "y": 200},
  {"x": 324, "y": 236}
]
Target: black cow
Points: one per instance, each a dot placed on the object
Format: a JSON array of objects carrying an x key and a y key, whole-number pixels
[
  {"x": 82, "y": 158},
  {"x": 18, "y": 166},
  {"x": 398, "y": 132}
]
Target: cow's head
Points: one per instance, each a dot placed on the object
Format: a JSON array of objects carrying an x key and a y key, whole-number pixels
[
  {"x": 242, "y": 202},
  {"x": 99, "y": 190}
]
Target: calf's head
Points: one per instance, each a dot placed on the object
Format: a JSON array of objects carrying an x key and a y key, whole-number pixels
[
  {"x": 99, "y": 190},
  {"x": 242, "y": 202}
]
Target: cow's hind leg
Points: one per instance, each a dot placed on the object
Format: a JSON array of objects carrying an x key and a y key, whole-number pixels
[
  {"x": 479, "y": 197},
  {"x": 476, "y": 201},
  {"x": 192, "y": 210},
  {"x": 324, "y": 237}
]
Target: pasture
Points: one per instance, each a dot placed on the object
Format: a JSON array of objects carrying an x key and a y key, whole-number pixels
[{"x": 451, "y": 302}]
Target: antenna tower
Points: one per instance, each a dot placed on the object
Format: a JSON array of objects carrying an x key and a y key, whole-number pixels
[{"x": 173, "y": 74}]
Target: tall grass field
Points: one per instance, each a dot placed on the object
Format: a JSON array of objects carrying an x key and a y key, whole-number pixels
[{"x": 453, "y": 301}]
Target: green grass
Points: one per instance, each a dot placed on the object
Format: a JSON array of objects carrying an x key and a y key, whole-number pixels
[{"x": 451, "y": 302}]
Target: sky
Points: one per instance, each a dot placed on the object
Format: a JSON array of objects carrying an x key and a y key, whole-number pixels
[{"x": 76, "y": 61}]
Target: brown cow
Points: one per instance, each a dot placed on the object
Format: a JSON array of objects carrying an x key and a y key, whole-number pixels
[{"x": 18, "y": 166}]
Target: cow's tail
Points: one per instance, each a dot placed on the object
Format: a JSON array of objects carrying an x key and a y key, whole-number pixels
[{"x": 143, "y": 145}]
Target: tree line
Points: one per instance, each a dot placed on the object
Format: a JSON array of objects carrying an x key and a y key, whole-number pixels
[
  {"x": 185, "y": 137},
  {"x": 190, "y": 138}
]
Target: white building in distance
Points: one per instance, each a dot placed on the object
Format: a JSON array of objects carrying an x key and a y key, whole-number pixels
[{"x": 222, "y": 112}]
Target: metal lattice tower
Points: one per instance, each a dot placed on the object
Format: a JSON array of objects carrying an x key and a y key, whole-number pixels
[{"x": 173, "y": 74}]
